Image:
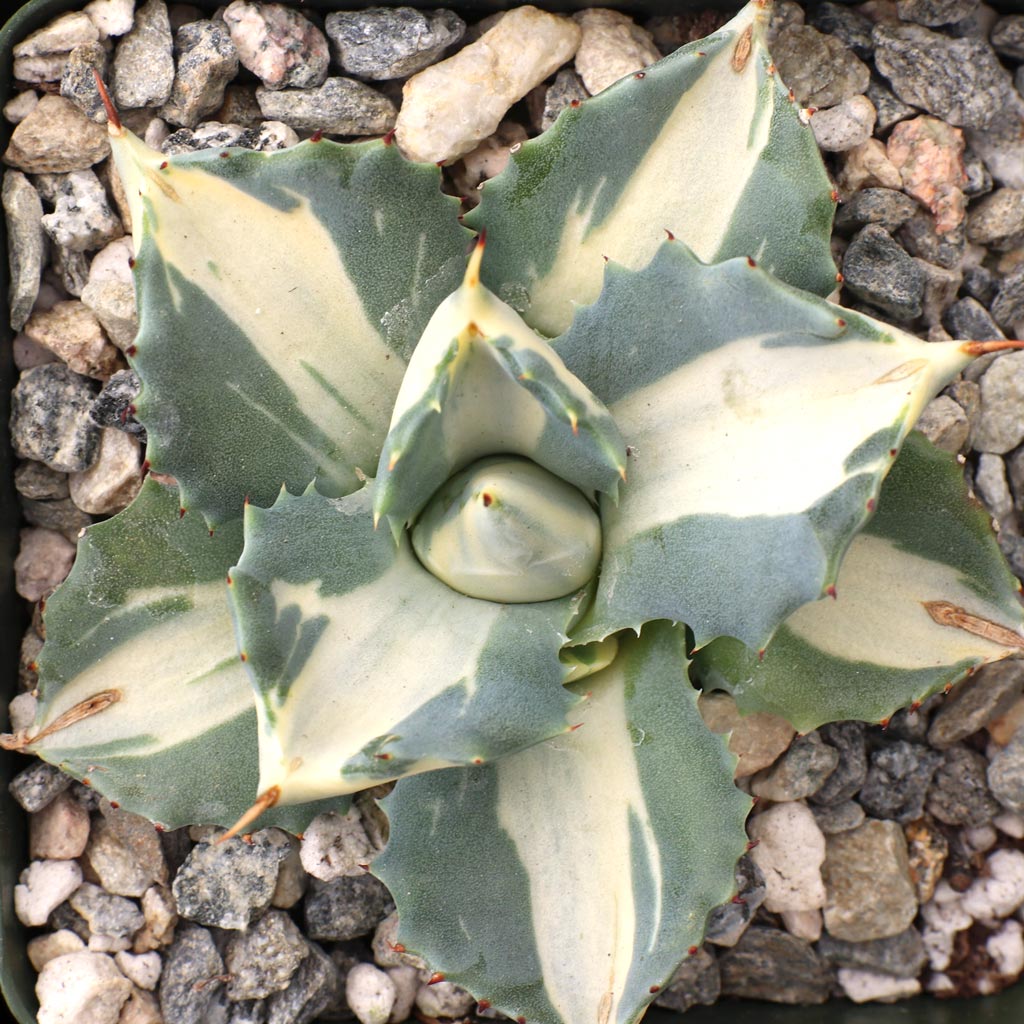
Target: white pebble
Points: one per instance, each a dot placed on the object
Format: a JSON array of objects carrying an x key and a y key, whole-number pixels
[
  {"x": 111, "y": 17},
  {"x": 44, "y": 886},
  {"x": 1002, "y": 892},
  {"x": 612, "y": 46},
  {"x": 981, "y": 839},
  {"x": 939, "y": 984},
  {"x": 1010, "y": 824},
  {"x": 444, "y": 999},
  {"x": 22, "y": 711},
  {"x": 44, "y": 948},
  {"x": 81, "y": 988},
  {"x": 407, "y": 983},
  {"x": 870, "y": 987},
  {"x": 790, "y": 851},
  {"x": 336, "y": 845},
  {"x": 804, "y": 924},
  {"x": 371, "y": 994},
  {"x": 1006, "y": 947},
  {"x": 22, "y": 104},
  {"x": 142, "y": 969}
]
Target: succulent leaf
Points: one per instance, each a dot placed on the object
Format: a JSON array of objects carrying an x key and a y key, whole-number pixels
[
  {"x": 889, "y": 637},
  {"x": 707, "y": 143},
  {"x": 145, "y": 614},
  {"x": 367, "y": 668},
  {"x": 480, "y": 382},
  {"x": 283, "y": 365},
  {"x": 590, "y": 862},
  {"x": 761, "y": 421}
]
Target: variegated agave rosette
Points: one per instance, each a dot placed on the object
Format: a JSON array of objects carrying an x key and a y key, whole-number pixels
[{"x": 635, "y": 430}]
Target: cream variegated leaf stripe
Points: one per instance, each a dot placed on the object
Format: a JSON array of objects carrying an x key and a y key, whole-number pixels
[
  {"x": 177, "y": 740},
  {"x": 479, "y": 383},
  {"x": 758, "y": 439},
  {"x": 367, "y": 668},
  {"x": 615, "y": 173},
  {"x": 280, "y": 295},
  {"x": 923, "y": 596},
  {"x": 597, "y": 856}
]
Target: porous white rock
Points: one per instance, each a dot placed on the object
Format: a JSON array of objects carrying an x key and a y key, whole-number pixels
[
  {"x": 20, "y": 106},
  {"x": 44, "y": 948},
  {"x": 42, "y": 887},
  {"x": 82, "y": 219},
  {"x": 612, "y": 46},
  {"x": 336, "y": 845},
  {"x": 1001, "y": 891},
  {"x": 943, "y": 916},
  {"x": 114, "y": 479},
  {"x": 790, "y": 851},
  {"x": 111, "y": 17},
  {"x": 370, "y": 993},
  {"x": 1006, "y": 947},
  {"x": 448, "y": 109},
  {"x": 81, "y": 988},
  {"x": 407, "y": 983},
  {"x": 142, "y": 969},
  {"x": 870, "y": 986}
]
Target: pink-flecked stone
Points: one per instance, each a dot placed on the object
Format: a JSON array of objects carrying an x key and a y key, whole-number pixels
[
  {"x": 928, "y": 153},
  {"x": 282, "y": 47}
]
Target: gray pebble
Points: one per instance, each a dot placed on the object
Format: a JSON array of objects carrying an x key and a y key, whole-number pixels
[
  {"x": 941, "y": 287},
  {"x": 959, "y": 793},
  {"x": 62, "y": 515},
  {"x": 819, "y": 69},
  {"x": 902, "y": 955},
  {"x": 1001, "y": 144},
  {"x": 66, "y": 917},
  {"x": 263, "y": 958},
  {"x": 207, "y": 61},
  {"x": 1012, "y": 548},
  {"x": 946, "y": 425},
  {"x": 248, "y": 1011},
  {"x": 1014, "y": 469},
  {"x": 919, "y": 237},
  {"x": 834, "y": 818},
  {"x": 115, "y": 403},
  {"x": 987, "y": 694},
  {"x": 774, "y": 966},
  {"x": 345, "y": 908},
  {"x": 35, "y": 786},
  {"x": 566, "y": 89},
  {"x": 1006, "y": 774},
  {"x": 958, "y": 80},
  {"x": 935, "y": 12},
  {"x": 1000, "y": 427},
  {"x": 315, "y": 989},
  {"x": 997, "y": 220},
  {"x": 799, "y": 772},
  {"x": 889, "y": 108},
  {"x": 696, "y": 982},
  {"x": 878, "y": 271},
  {"x": 1007, "y": 36},
  {"x": 341, "y": 106},
  {"x": 897, "y": 780},
  {"x": 190, "y": 980},
  {"x": 78, "y": 83},
  {"x": 981, "y": 284},
  {"x": 26, "y": 245},
  {"x": 50, "y": 418},
  {"x": 38, "y": 482},
  {"x": 229, "y": 885},
  {"x": 107, "y": 915},
  {"x": 884, "y": 206},
  {"x": 82, "y": 219},
  {"x": 1008, "y": 304},
  {"x": 993, "y": 488},
  {"x": 850, "y": 27},
  {"x": 71, "y": 266},
  {"x": 210, "y": 135},
  {"x": 968, "y": 320},
  {"x": 978, "y": 180},
  {"x": 851, "y": 770},
  {"x": 143, "y": 68},
  {"x": 726, "y": 923},
  {"x": 382, "y": 42}
]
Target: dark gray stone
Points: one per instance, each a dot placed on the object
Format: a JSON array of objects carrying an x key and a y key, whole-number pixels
[
  {"x": 207, "y": 61},
  {"x": 35, "y": 786},
  {"x": 65, "y": 916},
  {"x": 981, "y": 284},
  {"x": 391, "y": 42},
  {"x": 959, "y": 793},
  {"x": 979, "y": 181},
  {"x": 230, "y": 884},
  {"x": 566, "y": 89},
  {"x": 78, "y": 83},
  {"x": 1012, "y": 548},
  {"x": 1007, "y": 36},
  {"x": 143, "y": 70},
  {"x": 316, "y": 988},
  {"x": 905, "y": 724},
  {"x": 958, "y": 80},
  {"x": 968, "y": 320},
  {"x": 889, "y": 108},
  {"x": 1008, "y": 305},
  {"x": 249, "y": 1011},
  {"x": 345, "y": 908},
  {"x": 835, "y": 818},
  {"x": 989, "y": 693},
  {"x": 850, "y": 27},
  {"x": 935, "y": 12},
  {"x": 919, "y": 237},
  {"x": 1006, "y": 774},
  {"x": 190, "y": 981},
  {"x": 114, "y": 405},
  {"x": 26, "y": 244},
  {"x": 262, "y": 959},
  {"x": 897, "y": 781},
  {"x": 726, "y": 923},
  {"x": 50, "y": 418},
  {"x": 819, "y": 69},
  {"x": 210, "y": 135},
  {"x": 799, "y": 772},
  {"x": 341, "y": 106},
  {"x": 108, "y": 915},
  {"x": 71, "y": 267},
  {"x": 696, "y": 982},
  {"x": 37, "y": 482},
  {"x": 997, "y": 221},
  {"x": 61, "y": 514},
  {"x": 878, "y": 271},
  {"x": 884, "y": 206},
  {"x": 775, "y": 966},
  {"x": 852, "y": 768},
  {"x": 901, "y": 955}
]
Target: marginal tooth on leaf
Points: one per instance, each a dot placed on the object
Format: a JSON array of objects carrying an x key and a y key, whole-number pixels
[
  {"x": 264, "y": 802},
  {"x": 472, "y": 278},
  {"x": 393, "y": 461},
  {"x": 574, "y": 423},
  {"x": 981, "y": 348},
  {"x": 114, "y": 126}
]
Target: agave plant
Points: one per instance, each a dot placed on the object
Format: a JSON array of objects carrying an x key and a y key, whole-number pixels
[{"x": 474, "y": 524}]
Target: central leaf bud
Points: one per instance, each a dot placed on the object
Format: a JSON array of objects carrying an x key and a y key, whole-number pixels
[{"x": 506, "y": 530}]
